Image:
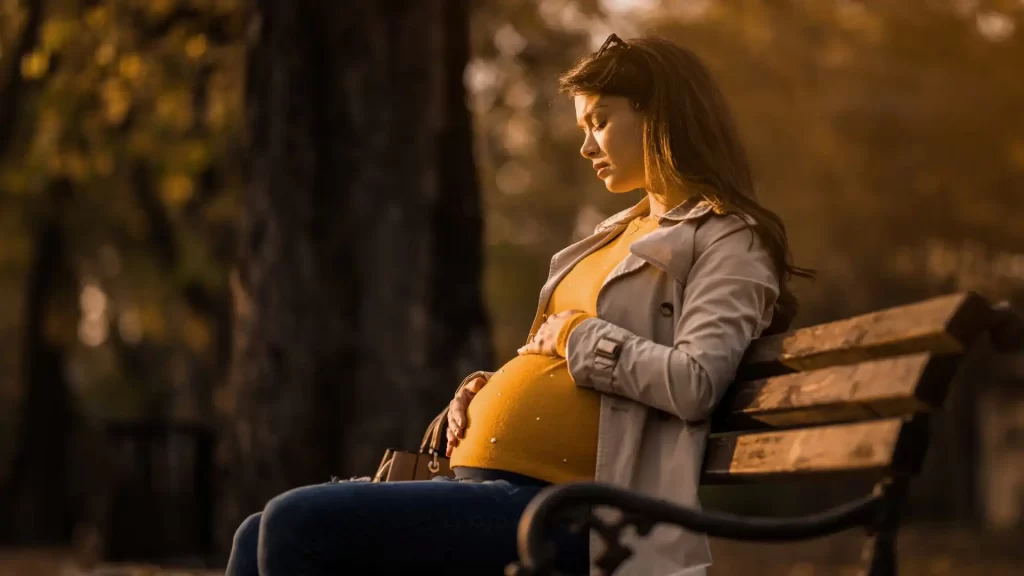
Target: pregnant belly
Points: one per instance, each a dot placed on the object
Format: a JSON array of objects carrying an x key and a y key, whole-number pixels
[{"x": 531, "y": 418}]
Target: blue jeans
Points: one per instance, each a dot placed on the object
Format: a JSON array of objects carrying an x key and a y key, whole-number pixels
[{"x": 438, "y": 526}]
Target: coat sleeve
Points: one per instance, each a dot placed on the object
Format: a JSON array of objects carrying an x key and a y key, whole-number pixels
[{"x": 730, "y": 291}]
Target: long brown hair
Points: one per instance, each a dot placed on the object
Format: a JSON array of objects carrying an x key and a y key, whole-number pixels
[{"x": 689, "y": 137}]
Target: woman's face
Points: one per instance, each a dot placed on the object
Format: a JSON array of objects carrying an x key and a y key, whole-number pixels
[{"x": 612, "y": 140}]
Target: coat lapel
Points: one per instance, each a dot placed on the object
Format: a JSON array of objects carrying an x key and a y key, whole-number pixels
[
  {"x": 660, "y": 248},
  {"x": 562, "y": 262}
]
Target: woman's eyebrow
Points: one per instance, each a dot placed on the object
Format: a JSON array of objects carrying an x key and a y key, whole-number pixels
[{"x": 589, "y": 113}]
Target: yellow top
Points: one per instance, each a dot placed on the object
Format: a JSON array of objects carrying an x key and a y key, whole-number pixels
[{"x": 531, "y": 418}]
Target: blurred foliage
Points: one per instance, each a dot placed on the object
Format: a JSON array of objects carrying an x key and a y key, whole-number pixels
[{"x": 136, "y": 103}]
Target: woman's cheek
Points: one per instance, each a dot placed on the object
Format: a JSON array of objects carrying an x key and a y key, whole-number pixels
[{"x": 607, "y": 145}]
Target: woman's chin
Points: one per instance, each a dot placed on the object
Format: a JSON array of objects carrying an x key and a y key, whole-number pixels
[{"x": 615, "y": 187}]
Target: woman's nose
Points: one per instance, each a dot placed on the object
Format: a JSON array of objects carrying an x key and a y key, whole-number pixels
[{"x": 589, "y": 148}]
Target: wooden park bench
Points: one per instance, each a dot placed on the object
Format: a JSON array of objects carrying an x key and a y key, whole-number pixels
[{"x": 819, "y": 404}]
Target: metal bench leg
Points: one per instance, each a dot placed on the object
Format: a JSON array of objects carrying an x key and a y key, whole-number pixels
[{"x": 878, "y": 556}]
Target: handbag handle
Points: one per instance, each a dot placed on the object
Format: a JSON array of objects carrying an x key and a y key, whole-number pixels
[{"x": 431, "y": 442}]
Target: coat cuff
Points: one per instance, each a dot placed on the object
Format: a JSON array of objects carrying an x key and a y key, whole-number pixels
[
  {"x": 567, "y": 328},
  {"x": 593, "y": 352}
]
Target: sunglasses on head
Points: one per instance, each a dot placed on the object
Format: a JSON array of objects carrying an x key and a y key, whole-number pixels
[{"x": 612, "y": 40}]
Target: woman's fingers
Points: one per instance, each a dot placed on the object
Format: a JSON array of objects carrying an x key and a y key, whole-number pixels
[
  {"x": 455, "y": 426},
  {"x": 452, "y": 443},
  {"x": 542, "y": 343},
  {"x": 464, "y": 396},
  {"x": 452, "y": 408},
  {"x": 457, "y": 411},
  {"x": 546, "y": 340},
  {"x": 531, "y": 347},
  {"x": 475, "y": 384}
]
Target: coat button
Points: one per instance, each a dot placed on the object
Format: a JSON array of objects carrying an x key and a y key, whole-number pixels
[{"x": 666, "y": 309}]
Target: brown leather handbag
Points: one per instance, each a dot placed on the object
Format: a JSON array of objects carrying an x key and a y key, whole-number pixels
[{"x": 399, "y": 466}]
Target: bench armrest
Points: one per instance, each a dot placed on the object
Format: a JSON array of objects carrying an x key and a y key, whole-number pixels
[{"x": 573, "y": 502}]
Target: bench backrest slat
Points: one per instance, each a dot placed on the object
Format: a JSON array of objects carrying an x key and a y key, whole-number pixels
[
  {"x": 877, "y": 446},
  {"x": 878, "y": 388},
  {"x": 843, "y": 397},
  {"x": 944, "y": 325}
]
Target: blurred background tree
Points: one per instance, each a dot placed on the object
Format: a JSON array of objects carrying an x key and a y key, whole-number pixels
[
  {"x": 118, "y": 184},
  {"x": 358, "y": 306}
]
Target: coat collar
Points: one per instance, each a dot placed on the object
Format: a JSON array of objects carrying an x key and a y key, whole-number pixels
[{"x": 694, "y": 207}]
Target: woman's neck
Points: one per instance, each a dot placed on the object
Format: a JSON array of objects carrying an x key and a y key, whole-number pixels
[{"x": 662, "y": 203}]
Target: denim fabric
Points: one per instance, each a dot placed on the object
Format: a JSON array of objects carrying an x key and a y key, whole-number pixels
[{"x": 439, "y": 526}]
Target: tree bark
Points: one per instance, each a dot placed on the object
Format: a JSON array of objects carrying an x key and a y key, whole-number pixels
[
  {"x": 11, "y": 82},
  {"x": 36, "y": 505},
  {"x": 357, "y": 297}
]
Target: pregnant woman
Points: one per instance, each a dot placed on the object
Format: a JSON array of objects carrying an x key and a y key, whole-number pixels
[{"x": 639, "y": 330}]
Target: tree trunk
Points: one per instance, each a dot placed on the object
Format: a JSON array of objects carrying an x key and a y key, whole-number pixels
[
  {"x": 35, "y": 501},
  {"x": 35, "y": 504},
  {"x": 357, "y": 298},
  {"x": 11, "y": 82}
]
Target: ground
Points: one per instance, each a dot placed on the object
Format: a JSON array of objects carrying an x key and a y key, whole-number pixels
[
  {"x": 61, "y": 563},
  {"x": 924, "y": 551}
]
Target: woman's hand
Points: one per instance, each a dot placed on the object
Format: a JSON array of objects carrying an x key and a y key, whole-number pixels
[
  {"x": 457, "y": 411},
  {"x": 545, "y": 341}
]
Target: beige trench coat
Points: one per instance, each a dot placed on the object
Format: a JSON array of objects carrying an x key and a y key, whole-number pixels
[{"x": 674, "y": 319}]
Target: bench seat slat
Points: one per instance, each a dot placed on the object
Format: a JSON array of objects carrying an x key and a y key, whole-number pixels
[
  {"x": 890, "y": 387},
  {"x": 864, "y": 447}
]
